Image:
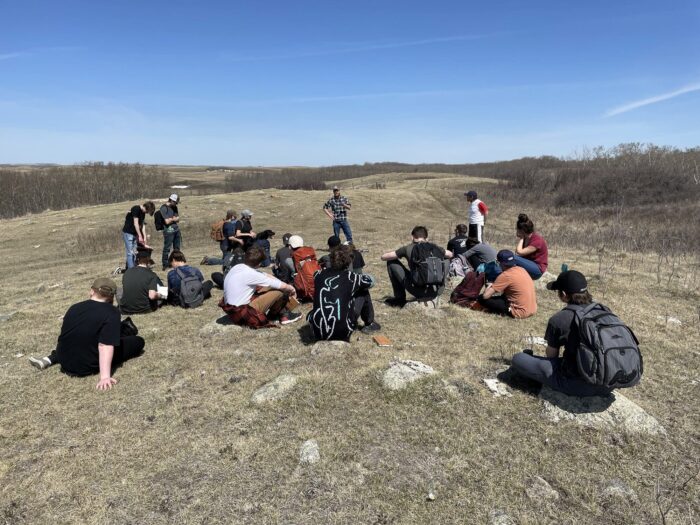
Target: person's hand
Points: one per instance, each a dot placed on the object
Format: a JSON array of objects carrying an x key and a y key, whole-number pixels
[
  {"x": 253, "y": 234},
  {"x": 147, "y": 246},
  {"x": 106, "y": 383}
]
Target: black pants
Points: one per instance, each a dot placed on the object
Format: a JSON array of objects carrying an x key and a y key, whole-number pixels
[
  {"x": 401, "y": 283},
  {"x": 476, "y": 230},
  {"x": 129, "y": 347},
  {"x": 364, "y": 309},
  {"x": 218, "y": 279},
  {"x": 498, "y": 304}
]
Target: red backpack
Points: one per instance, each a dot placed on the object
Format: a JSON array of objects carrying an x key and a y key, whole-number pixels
[
  {"x": 306, "y": 266},
  {"x": 467, "y": 292}
]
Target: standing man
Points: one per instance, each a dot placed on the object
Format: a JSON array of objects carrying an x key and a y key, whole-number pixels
[
  {"x": 477, "y": 215},
  {"x": 134, "y": 232},
  {"x": 337, "y": 210},
  {"x": 172, "y": 239}
]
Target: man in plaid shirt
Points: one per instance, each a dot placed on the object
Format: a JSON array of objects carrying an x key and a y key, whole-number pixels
[{"x": 337, "y": 210}]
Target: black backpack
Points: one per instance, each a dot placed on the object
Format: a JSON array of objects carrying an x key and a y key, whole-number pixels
[
  {"x": 158, "y": 220},
  {"x": 608, "y": 354},
  {"x": 426, "y": 264},
  {"x": 191, "y": 292},
  {"x": 231, "y": 259}
]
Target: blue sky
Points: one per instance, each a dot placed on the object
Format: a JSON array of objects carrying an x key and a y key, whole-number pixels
[{"x": 330, "y": 82}]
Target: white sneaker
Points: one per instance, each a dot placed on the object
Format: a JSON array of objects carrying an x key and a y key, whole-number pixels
[
  {"x": 117, "y": 271},
  {"x": 41, "y": 363}
]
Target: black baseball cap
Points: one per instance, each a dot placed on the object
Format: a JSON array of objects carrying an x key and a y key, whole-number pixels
[
  {"x": 570, "y": 282},
  {"x": 470, "y": 193},
  {"x": 506, "y": 258},
  {"x": 334, "y": 241}
]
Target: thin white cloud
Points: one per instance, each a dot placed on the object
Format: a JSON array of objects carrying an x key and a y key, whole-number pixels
[
  {"x": 8, "y": 56},
  {"x": 355, "y": 48},
  {"x": 651, "y": 100}
]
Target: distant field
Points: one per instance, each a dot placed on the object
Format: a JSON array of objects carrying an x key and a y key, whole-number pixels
[{"x": 179, "y": 441}]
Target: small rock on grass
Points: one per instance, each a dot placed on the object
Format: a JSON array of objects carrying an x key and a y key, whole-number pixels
[
  {"x": 323, "y": 347},
  {"x": 275, "y": 389},
  {"x": 532, "y": 340},
  {"x": 213, "y": 328},
  {"x": 404, "y": 371},
  {"x": 309, "y": 453},
  {"x": 617, "y": 490},
  {"x": 6, "y": 317},
  {"x": 539, "y": 489},
  {"x": 499, "y": 389},
  {"x": 41, "y": 288},
  {"x": 499, "y": 517}
]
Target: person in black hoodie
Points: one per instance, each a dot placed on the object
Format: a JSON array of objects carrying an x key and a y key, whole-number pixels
[{"x": 340, "y": 298}]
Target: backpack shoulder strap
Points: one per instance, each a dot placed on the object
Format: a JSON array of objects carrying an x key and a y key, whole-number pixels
[{"x": 180, "y": 273}]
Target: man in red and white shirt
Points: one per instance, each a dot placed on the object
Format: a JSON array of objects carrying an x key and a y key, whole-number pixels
[{"x": 477, "y": 215}]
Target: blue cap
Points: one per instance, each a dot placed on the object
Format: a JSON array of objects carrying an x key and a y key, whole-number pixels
[{"x": 506, "y": 258}]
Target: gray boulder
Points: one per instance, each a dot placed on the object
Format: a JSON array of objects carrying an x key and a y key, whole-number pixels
[
  {"x": 275, "y": 389},
  {"x": 614, "y": 412},
  {"x": 404, "y": 371}
]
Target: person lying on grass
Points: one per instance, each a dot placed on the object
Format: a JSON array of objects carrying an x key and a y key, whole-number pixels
[
  {"x": 90, "y": 341},
  {"x": 518, "y": 298},
  {"x": 341, "y": 296},
  {"x": 253, "y": 298}
]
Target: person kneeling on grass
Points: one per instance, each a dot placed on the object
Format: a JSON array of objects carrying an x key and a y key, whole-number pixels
[
  {"x": 341, "y": 296},
  {"x": 253, "y": 298},
  {"x": 518, "y": 298},
  {"x": 181, "y": 270},
  {"x": 90, "y": 340},
  {"x": 561, "y": 373},
  {"x": 140, "y": 287}
]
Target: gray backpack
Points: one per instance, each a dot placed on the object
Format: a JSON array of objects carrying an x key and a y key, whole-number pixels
[
  {"x": 608, "y": 354},
  {"x": 191, "y": 292}
]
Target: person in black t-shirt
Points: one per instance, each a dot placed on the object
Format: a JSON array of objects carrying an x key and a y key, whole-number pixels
[
  {"x": 140, "y": 287},
  {"x": 358, "y": 262},
  {"x": 460, "y": 242},
  {"x": 340, "y": 297},
  {"x": 561, "y": 373},
  {"x": 134, "y": 232},
  {"x": 90, "y": 340},
  {"x": 245, "y": 229}
]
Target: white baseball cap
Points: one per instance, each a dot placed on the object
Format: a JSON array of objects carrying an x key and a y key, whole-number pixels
[
  {"x": 295, "y": 241},
  {"x": 174, "y": 197}
]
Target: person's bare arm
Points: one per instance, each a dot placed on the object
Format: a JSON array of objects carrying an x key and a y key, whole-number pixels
[
  {"x": 389, "y": 256},
  {"x": 328, "y": 212},
  {"x": 488, "y": 293},
  {"x": 106, "y": 353},
  {"x": 551, "y": 352},
  {"x": 152, "y": 295},
  {"x": 449, "y": 254},
  {"x": 528, "y": 250}
]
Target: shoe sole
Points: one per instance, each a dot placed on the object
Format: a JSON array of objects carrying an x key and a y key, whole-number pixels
[
  {"x": 37, "y": 363},
  {"x": 290, "y": 321}
]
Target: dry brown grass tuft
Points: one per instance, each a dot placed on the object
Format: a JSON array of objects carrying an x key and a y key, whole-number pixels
[{"x": 178, "y": 441}]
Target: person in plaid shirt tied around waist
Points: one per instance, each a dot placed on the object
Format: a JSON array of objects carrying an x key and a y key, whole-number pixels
[{"x": 337, "y": 210}]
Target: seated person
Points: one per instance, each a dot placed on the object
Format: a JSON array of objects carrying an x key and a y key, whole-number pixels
[
  {"x": 180, "y": 270},
  {"x": 479, "y": 253},
  {"x": 229, "y": 242},
  {"x": 531, "y": 252},
  {"x": 403, "y": 280},
  {"x": 518, "y": 298},
  {"x": 458, "y": 244},
  {"x": 253, "y": 298},
  {"x": 90, "y": 340},
  {"x": 263, "y": 241},
  {"x": 283, "y": 267},
  {"x": 140, "y": 285},
  {"x": 561, "y": 373},
  {"x": 340, "y": 298},
  {"x": 358, "y": 262}
]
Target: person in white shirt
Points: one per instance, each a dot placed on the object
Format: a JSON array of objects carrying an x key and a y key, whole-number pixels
[
  {"x": 245, "y": 286},
  {"x": 477, "y": 215}
]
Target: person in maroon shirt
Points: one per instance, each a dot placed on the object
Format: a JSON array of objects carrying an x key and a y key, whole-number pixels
[{"x": 531, "y": 253}]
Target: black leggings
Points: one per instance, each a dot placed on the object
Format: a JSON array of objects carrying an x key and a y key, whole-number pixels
[
  {"x": 498, "y": 304},
  {"x": 130, "y": 346}
]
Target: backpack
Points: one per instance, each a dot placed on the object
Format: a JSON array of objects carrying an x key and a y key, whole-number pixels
[
  {"x": 231, "y": 259},
  {"x": 217, "y": 231},
  {"x": 158, "y": 220},
  {"x": 459, "y": 267},
  {"x": 191, "y": 292},
  {"x": 467, "y": 292},
  {"x": 608, "y": 353},
  {"x": 426, "y": 264},
  {"x": 306, "y": 266}
]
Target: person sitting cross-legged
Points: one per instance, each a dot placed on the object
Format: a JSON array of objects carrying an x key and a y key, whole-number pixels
[
  {"x": 253, "y": 298},
  {"x": 181, "y": 270},
  {"x": 140, "y": 287},
  {"x": 341, "y": 296},
  {"x": 518, "y": 298},
  {"x": 408, "y": 279},
  {"x": 90, "y": 341}
]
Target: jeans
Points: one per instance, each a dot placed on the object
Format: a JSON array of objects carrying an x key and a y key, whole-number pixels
[
  {"x": 130, "y": 244},
  {"x": 493, "y": 270},
  {"x": 171, "y": 239},
  {"x": 345, "y": 226}
]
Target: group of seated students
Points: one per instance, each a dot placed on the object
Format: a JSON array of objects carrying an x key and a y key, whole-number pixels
[{"x": 94, "y": 340}]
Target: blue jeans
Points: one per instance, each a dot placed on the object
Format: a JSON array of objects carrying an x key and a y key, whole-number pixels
[
  {"x": 493, "y": 270},
  {"x": 345, "y": 225},
  {"x": 130, "y": 244},
  {"x": 170, "y": 240}
]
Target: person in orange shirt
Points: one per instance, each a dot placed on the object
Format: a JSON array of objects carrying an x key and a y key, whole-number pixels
[{"x": 518, "y": 298}]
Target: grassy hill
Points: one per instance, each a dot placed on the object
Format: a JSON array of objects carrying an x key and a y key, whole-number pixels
[{"x": 179, "y": 441}]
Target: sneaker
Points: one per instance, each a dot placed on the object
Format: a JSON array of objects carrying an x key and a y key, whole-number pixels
[
  {"x": 290, "y": 317},
  {"x": 395, "y": 303},
  {"x": 369, "y": 328},
  {"x": 117, "y": 271},
  {"x": 205, "y": 260},
  {"x": 41, "y": 363}
]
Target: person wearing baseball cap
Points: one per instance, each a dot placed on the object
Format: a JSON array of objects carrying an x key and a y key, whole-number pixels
[
  {"x": 561, "y": 373},
  {"x": 283, "y": 267},
  {"x": 172, "y": 238},
  {"x": 245, "y": 231},
  {"x": 477, "y": 215},
  {"x": 336, "y": 208},
  {"x": 90, "y": 341},
  {"x": 518, "y": 298},
  {"x": 140, "y": 287}
]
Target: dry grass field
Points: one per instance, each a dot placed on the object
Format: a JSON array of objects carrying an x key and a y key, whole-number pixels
[{"x": 179, "y": 441}]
